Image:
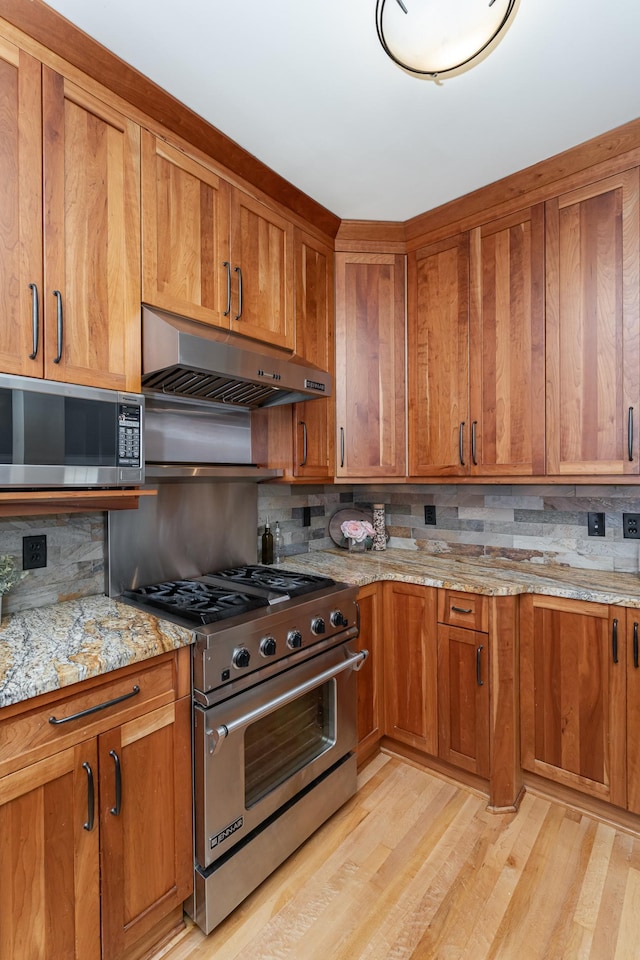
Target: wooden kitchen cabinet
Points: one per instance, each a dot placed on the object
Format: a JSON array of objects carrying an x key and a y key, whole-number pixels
[
  {"x": 411, "y": 665},
  {"x": 369, "y": 677},
  {"x": 463, "y": 698},
  {"x": 212, "y": 252},
  {"x": 475, "y": 348},
  {"x": 573, "y": 694},
  {"x": 72, "y": 859},
  {"x": 593, "y": 331},
  {"x": 370, "y": 361}
]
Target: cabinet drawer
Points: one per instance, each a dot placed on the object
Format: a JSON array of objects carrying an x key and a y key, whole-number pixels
[
  {"x": 120, "y": 696},
  {"x": 463, "y": 610}
]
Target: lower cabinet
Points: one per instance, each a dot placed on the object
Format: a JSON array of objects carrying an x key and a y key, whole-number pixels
[
  {"x": 95, "y": 816},
  {"x": 369, "y": 677},
  {"x": 573, "y": 694}
]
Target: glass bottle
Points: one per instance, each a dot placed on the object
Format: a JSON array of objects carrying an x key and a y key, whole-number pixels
[{"x": 267, "y": 544}]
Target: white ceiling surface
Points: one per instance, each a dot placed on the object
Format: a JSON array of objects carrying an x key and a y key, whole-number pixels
[{"x": 305, "y": 86}]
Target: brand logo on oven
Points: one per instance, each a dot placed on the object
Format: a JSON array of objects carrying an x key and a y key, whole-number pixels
[{"x": 226, "y": 833}]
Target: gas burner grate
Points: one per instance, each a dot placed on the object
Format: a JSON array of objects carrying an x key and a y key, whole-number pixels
[
  {"x": 194, "y": 600},
  {"x": 274, "y": 579}
]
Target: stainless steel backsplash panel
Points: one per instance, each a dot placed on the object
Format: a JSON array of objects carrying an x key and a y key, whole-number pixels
[{"x": 186, "y": 530}]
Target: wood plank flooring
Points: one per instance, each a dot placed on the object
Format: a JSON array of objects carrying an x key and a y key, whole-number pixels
[{"x": 415, "y": 868}]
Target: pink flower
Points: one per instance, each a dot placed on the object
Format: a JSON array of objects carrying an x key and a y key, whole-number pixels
[{"x": 357, "y": 530}]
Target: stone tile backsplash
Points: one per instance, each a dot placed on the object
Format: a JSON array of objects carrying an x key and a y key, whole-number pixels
[{"x": 541, "y": 524}]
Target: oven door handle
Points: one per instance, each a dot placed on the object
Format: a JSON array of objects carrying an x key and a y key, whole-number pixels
[{"x": 215, "y": 737}]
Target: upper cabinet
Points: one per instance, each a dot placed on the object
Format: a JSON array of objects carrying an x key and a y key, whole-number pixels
[
  {"x": 593, "y": 373},
  {"x": 475, "y": 346},
  {"x": 211, "y": 251},
  {"x": 71, "y": 248},
  {"x": 370, "y": 362}
]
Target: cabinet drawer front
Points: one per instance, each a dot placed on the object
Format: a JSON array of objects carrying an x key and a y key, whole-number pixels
[
  {"x": 31, "y": 736},
  {"x": 463, "y": 610}
]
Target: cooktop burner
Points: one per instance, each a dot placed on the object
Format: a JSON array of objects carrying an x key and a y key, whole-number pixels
[
  {"x": 196, "y": 601},
  {"x": 273, "y": 579}
]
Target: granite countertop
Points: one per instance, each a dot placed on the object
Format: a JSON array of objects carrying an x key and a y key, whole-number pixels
[
  {"x": 54, "y": 646},
  {"x": 492, "y": 577}
]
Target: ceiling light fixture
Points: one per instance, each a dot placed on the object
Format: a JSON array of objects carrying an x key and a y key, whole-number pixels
[{"x": 438, "y": 38}]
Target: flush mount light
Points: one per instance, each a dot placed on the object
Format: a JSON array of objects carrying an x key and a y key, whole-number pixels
[{"x": 439, "y": 38}]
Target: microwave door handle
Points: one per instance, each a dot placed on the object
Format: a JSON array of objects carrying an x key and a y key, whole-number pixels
[{"x": 216, "y": 736}]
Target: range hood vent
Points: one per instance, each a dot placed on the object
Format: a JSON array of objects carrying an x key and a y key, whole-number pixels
[{"x": 187, "y": 359}]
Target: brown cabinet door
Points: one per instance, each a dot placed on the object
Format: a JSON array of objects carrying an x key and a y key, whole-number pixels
[
  {"x": 21, "y": 347},
  {"x": 147, "y": 865},
  {"x": 185, "y": 235},
  {"x": 314, "y": 421},
  {"x": 370, "y": 674},
  {"x": 507, "y": 346},
  {"x": 633, "y": 710},
  {"x": 262, "y": 272},
  {"x": 463, "y": 698},
  {"x": 592, "y": 276},
  {"x": 370, "y": 392},
  {"x": 91, "y": 239},
  {"x": 573, "y": 694},
  {"x": 410, "y": 665},
  {"x": 438, "y": 359},
  {"x": 49, "y": 875}
]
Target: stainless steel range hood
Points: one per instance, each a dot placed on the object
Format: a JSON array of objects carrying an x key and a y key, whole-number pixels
[{"x": 183, "y": 358}]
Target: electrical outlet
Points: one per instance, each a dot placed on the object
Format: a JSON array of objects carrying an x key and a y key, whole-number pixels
[
  {"x": 430, "y": 516},
  {"x": 631, "y": 526},
  {"x": 595, "y": 524},
  {"x": 306, "y": 516},
  {"x": 34, "y": 552}
]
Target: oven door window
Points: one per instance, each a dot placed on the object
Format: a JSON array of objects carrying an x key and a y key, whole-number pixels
[{"x": 287, "y": 740}]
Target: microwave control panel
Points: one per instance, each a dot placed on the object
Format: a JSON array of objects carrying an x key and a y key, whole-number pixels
[{"x": 129, "y": 433}]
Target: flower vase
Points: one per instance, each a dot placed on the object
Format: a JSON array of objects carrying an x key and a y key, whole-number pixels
[{"x": 356, "y": 546}]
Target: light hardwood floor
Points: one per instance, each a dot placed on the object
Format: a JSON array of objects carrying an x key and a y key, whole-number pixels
[{"x": 415, "y": 867}]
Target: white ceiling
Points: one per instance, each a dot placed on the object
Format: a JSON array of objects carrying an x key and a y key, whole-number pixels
[{"x": 305, "y": 86}]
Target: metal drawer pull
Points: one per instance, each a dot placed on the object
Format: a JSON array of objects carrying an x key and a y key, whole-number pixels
[
  {"x": 90, "y": 798},
  {"x": 118, "y": 771},
  {"x": 217, "y": 736},
  {"x": 461, "y": 445},
  {"x": 238, "y": 270},
  {"x": 635, "y": 645},
  {"x": 614, "y": 641},
  {"x": 58, "y": 356},
  {"x": 100, "y": 706},
  {"x": 630, "y": 433},
  {"x": 461, "y": 610},
  {"x": 473, "y": 443},
  {"x": 35, "y": 320},
  {"x": 479, "y": 679},
  {"x": 225, "y": 263},
  {"x": 304, "y": 443}
]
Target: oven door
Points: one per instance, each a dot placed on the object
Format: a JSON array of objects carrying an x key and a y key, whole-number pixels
[{"x": 256, "y": 751}]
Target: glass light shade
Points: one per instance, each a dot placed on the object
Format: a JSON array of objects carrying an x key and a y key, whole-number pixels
[{"x": 436, "y": 38}]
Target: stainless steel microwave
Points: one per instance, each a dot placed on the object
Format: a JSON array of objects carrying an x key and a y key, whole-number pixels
[{"x": 65, "y": 435}]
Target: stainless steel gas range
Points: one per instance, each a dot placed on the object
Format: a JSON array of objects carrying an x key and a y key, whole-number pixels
[{"x": 274, "y": 717}]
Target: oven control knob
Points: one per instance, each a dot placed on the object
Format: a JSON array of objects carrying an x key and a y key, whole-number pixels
[
  {"x": 268, "y": 647},
  {"x": 294, "y": 639},
  {"x": 241, "y": 658},
  {"x": 338, "y": 619},
  {"x": 318, "y": 626}
]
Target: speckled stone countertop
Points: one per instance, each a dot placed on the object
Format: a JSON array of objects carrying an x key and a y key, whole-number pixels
[
  {"x": 489, "y": 576},
  {"x": 54, "y": 646}
]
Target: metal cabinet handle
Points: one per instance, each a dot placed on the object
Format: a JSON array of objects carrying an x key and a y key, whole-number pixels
[
  {"x": 118, "y": 773},
  {"x": 479, "y": 679},
  {"x": 630, "y": 433},
  {"x": 342, "y": 446},
  {"x": 35, "y": 318},
  {"x": 100, "y": 706},
  {"x": 304, "y": 443},
  {"x": 225, "y": 263},
  {"x": 461, "y": 610},
  {"x": 238, "y": 270},
  {"x": 473, "y": 443},
  {"x": 614, "y": 641},
  {"x": 90, "y": 798},
  {"x": 58, "y": 356},
  {"x": 635, "y": 645},
  {"x": 461, "y": 444},
  {"x": 217, "y": 735}
]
